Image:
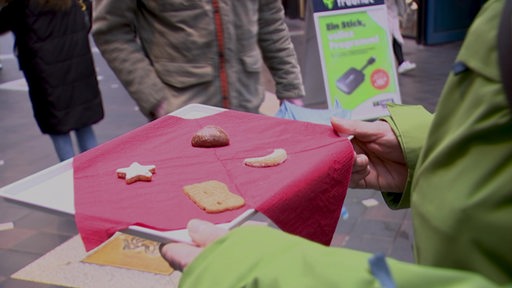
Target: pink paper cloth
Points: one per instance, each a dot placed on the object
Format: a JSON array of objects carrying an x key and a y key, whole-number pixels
[{"x": 302, "y": 196}]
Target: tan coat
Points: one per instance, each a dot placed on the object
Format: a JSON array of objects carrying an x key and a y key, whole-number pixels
[{"x": 168, "y": 50}]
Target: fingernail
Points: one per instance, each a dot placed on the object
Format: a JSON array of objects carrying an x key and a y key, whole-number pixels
[
  {"x": 195, "y": 225},
  {"x": 161, "y": 247}
]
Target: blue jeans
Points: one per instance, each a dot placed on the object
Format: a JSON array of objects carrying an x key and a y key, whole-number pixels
[{"x": 64, "y": 146}]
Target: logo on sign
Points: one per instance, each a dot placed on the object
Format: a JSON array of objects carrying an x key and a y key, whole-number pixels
[
  {"x": 346, "y": 3},
  {"x": 329, "y": 4}
]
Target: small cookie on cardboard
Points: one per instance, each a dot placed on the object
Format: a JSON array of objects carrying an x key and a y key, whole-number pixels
[
  {"x": 213, "y": 196},
  {"x": 210, "y": 136},
  {"x": 136, "y": 172}
]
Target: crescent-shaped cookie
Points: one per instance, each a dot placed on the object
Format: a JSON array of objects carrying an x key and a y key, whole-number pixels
[{"x": 275, "y": 158}]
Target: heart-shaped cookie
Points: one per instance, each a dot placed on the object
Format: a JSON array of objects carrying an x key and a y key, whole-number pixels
[{"x": 210, "y": 136}]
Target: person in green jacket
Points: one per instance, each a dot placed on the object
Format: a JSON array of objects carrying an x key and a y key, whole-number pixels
[{"x": 453, "y": 169}]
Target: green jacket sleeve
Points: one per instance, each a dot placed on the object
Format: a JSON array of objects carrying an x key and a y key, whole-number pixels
[
  {"x": 264, "y": 257},
  {"x": 411, "y": 125}
]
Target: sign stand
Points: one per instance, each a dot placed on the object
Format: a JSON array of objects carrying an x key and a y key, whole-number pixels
[{"x": 357, "y": 57}]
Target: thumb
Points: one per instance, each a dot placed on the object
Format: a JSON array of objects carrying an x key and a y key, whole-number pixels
[
  {"x": 359, "y": 129},
  {"x": 179, "y": 255},
  {"x": 203, "y": 232}
]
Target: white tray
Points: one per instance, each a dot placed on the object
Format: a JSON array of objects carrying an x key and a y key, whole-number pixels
[{"x": 52, "y": 188}]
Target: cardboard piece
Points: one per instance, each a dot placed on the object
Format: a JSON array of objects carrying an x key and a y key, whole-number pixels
[{"x": 130, "y": 252}]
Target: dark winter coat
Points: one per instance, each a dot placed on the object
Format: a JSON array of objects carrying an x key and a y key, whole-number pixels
[{"x": 54, "y": 54}]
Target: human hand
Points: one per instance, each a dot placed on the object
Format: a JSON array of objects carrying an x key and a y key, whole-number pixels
[
  {"x": 379, "y": 162},
  {"x": 203, "y": 233},
  {"x": 159, "y": 110},
  {"x": 295, "y": 101}
]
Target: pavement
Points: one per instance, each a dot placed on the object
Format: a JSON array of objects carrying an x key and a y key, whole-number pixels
[{"x": 370, "y": 225}]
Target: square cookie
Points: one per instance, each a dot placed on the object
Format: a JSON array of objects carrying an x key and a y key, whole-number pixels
[{"x": 213, "y": 196}]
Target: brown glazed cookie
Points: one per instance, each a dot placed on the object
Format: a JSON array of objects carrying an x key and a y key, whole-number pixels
[
  {"x": 213, "y": 196},
  {"x": 210, "y": 136}
]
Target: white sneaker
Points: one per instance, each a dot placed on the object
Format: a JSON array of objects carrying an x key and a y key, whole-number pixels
[{"x": 406, "y": 66}]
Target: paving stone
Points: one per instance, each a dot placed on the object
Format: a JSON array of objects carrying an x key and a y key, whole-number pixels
[{"x": 40, "y": 243}]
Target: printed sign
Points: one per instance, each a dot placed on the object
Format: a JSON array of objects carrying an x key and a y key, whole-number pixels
[{"x": 357, "y": 57}]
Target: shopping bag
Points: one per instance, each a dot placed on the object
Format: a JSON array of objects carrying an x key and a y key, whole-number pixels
[{"x": 289, "y": 110}]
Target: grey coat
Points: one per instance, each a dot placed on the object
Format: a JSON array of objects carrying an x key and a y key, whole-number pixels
[{"x": 168, "y": 51}]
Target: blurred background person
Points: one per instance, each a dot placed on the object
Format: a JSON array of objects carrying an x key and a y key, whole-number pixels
[
  {"x": 54, "y": 54},
  {"x": 2, "y": 4},
  {"x": 393, "y": 8},
  {"x": 171, "y": 54}
]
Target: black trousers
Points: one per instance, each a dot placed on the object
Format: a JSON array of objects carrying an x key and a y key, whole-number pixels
[{"x": 397, "y": 50}]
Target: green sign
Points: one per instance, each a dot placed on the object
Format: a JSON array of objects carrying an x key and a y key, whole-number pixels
[{"x": 357, "y": 60}]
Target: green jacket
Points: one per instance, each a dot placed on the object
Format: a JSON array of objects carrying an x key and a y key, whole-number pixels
[
  {"x": 459, "y": 190},
  {"x": 168, "y": 50}
]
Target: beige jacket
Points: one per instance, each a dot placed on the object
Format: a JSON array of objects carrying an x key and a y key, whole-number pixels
[{"x": 168, "y": 51}]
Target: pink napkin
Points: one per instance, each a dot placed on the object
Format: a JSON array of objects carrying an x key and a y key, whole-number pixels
[{"x": 303, "y": 196}]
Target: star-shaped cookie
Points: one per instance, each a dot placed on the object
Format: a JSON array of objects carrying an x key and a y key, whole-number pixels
[{"x": 136, "y": 172}]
